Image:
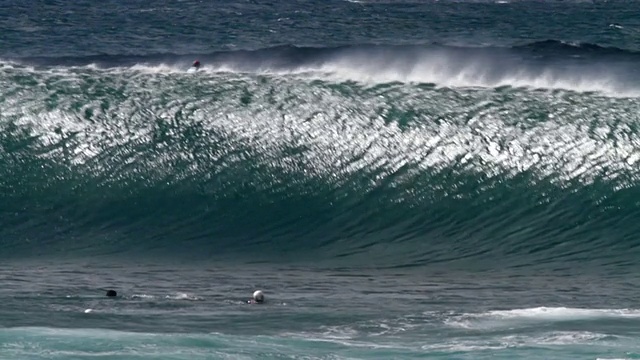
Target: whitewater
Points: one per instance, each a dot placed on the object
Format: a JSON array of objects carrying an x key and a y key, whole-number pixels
[{"x": 402, "y": 179}]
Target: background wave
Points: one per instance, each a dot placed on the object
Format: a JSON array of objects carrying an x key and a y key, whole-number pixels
[{"x": 260, "y": 158}]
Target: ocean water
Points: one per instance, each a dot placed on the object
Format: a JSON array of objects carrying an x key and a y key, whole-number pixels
[{"x": 403, "y": 179}]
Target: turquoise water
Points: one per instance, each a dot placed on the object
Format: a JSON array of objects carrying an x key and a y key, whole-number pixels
[
  {"x": 403, "y": 179},
  {"x": 178, "y": 311}
]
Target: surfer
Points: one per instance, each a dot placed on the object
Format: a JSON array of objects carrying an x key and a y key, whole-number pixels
[
  {"x": 111, "y": 293},
  {"x": 258, "y": 298},
  {"x": 196, "y": 65}
]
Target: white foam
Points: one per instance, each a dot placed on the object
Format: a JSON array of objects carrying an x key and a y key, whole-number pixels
[
  {"x": 158, "y": 68},
  {"x": 184, "y": 296},
  {"x": 510, "y": 318},
  {"x": 439, "y": 68},
  {"x": 442, "y": 67},
  {"x": 445, "y": 71},
  {"x": 561, "y": 338},
  {"x": 563, "y": 313},
  {"x": 142, "y": 296}
]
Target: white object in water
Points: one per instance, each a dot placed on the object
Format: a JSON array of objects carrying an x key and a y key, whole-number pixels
[{"x": 258, "y": 296}]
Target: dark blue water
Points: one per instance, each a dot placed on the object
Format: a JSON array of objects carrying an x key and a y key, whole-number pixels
[{"x": 403, "y": 179}]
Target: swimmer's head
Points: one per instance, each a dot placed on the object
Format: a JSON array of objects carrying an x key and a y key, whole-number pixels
[
  {"x": 112, "y": 293},
  {"x": 258, "y": 296}
]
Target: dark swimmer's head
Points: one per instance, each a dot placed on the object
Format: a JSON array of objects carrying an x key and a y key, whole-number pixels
[{"x": 111, "y": 293}]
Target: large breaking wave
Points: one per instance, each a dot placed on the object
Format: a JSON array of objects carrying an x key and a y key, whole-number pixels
[{"x": 367, "y": 156}]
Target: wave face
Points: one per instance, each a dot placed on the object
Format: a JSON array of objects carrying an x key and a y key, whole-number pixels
[{"x": 363, "y": 155}]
